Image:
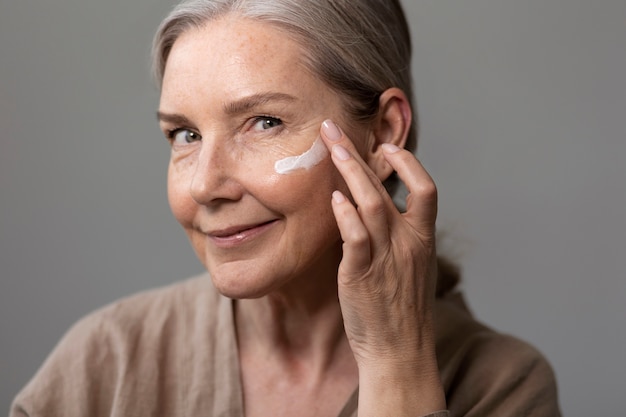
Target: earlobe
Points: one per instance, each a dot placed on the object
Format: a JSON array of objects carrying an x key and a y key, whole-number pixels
[{"x": 392, "y": 125}]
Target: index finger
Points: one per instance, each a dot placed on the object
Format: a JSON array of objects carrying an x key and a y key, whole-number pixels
[
  {"x": 374, "y": 205},
  {"x": 333, "y": 135}
]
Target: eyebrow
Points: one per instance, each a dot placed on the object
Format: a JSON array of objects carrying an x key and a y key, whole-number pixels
[
  {"x": 175, "y": 119},
  {"x": 250, "y": 102},
  {"x": 236, "y": 107}
]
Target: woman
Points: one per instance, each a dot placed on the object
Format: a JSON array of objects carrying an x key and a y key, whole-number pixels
[{"x": 285, "y": 118}]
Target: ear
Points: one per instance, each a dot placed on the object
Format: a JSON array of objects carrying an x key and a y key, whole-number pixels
[{"x": 392, "y": 125}]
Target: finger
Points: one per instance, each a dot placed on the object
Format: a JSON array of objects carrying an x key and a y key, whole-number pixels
[
  {"x": 373, "y": 203},
  {"x": 421, "y": 203},
  {"x": 334, "y": 135},
  {"x": 356, "y": 241}
]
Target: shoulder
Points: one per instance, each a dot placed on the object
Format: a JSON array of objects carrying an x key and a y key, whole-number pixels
[
  {"x": 488, "y": 373},
  {"x": 151, "y": 307},
  {"x": 101, "y": 352},
  {"x": 141, "y": 316},
  {"x": 152, "y": 302}
]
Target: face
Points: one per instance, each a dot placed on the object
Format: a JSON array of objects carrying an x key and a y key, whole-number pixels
[{"x": 235, "y": 99}]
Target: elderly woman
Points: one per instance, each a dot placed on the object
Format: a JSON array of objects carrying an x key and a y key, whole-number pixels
[{"x": 290, "y": 123}]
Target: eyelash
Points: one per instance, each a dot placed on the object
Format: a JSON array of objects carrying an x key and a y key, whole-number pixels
[
  {"x": 265, "y": 118},
  {"x": 171, "y": 133}
]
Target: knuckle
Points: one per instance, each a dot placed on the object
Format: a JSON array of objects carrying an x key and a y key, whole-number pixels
[
  {"x": 373, "y": 207},
  {"x": 344, "y": 211},
  {"x": 426, "y": 190},
  {"x": 355, "y": 238},
  {"x": 358, "y": 238},
  {"x": 353, "y": 168}
]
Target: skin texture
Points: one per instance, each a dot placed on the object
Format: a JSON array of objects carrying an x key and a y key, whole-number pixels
[{"x": 330, "y": 296}]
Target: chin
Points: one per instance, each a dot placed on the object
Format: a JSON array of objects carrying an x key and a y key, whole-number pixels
[
  {"x": 242, "y": 285},
  {"x": 237, "y": 292}
]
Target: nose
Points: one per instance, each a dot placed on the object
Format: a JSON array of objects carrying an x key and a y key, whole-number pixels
[{"x": 213, "y": 180}]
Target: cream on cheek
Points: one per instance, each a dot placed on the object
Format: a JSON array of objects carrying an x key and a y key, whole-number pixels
[{"x": 313, "y": 156}]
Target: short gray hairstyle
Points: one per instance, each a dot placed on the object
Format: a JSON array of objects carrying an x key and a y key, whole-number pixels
[{"x": 359, "y": 48}]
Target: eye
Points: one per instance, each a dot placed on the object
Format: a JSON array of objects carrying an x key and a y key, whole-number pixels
[
  {"x": 266, "y": 123},
  {"x": 183, "y": 136}
]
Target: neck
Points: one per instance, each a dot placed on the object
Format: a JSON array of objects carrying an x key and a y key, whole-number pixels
[{"x": 299, "y": 328}]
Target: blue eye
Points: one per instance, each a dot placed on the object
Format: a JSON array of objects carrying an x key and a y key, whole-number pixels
[
  {"x": 266, "y": 123},
  {"x": 183, "y": 136}
]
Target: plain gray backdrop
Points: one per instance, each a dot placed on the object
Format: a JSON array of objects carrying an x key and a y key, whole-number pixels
[{"x": 523, "y": 115}]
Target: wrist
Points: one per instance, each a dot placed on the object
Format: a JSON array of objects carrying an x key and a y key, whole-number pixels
[{"x": 400, "y": 391}]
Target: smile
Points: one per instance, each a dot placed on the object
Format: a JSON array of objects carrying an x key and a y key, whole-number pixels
[{"x": 236, "y": 235}]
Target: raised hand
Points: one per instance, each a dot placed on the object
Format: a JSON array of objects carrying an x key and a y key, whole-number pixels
[{"x": 387, "y": 280}]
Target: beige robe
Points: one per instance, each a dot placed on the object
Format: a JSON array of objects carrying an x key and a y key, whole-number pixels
[{"x": 172, "y": 352}]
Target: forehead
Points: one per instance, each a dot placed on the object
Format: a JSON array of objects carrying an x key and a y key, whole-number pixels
[{"x": 234, "y": 55}]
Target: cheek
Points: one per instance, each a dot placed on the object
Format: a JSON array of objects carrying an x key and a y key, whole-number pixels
[
  {"x": 313, "y": 156},
  {"x": 309, "y": 190},
  {"x": 182, "y": 205},
  {"x": 289, "y": 175},
  {"x": 307, "y": 206}
]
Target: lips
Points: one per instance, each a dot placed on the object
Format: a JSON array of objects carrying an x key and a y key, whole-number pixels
[{"x": 235, "y": 235}]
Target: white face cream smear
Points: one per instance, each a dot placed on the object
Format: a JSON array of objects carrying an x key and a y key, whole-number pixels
[{"x": 309, "y": 159}]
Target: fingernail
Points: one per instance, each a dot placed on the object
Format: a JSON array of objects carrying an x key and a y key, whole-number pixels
[
  {"x": 331, "y": 131},
  {"x": 390, "y": 148},
  {"x": 338, "y": 197},
  {"x": 341, "y": 153}
]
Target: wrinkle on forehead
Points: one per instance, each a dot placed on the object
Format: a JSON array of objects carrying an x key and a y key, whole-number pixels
[{"x": 241, "y": 55}]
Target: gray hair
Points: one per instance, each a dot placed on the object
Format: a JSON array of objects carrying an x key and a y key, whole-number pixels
[{"x": 359, "y": 48}]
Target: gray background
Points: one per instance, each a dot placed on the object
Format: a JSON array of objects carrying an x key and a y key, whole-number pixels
[{"x": 523, "y": 108}]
